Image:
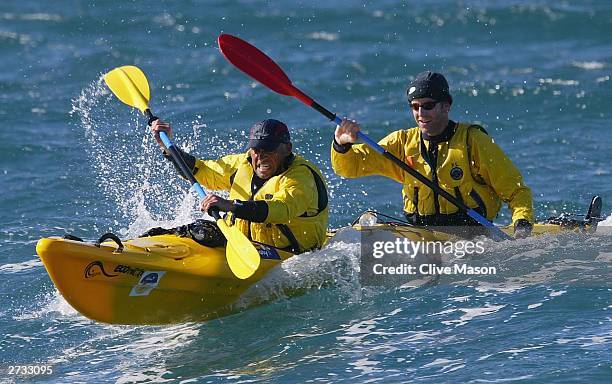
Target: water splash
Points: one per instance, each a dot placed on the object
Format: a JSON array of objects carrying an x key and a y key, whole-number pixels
[
  {"x": 605, "y": 223},
  {"x": 50, "y": 305},
  {"x": 336, "y": 265},
  {"x": 140, "y": 188}
]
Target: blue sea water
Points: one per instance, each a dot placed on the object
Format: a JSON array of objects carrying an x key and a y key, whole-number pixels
[{"x": 74, "y": 160}]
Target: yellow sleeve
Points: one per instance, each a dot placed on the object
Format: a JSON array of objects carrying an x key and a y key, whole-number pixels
[
  {"x": 361, "y": 160},
  {"x": 493, "y": 167},
  {"x": 297, "y": 194},
  {"x": 216, "y": 174}
]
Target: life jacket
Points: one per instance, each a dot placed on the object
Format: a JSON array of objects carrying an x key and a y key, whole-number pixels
[
  {"x": 482, "y": 182},
  {"x": 453, "y": 173},
  {"x": 297, "y": 233}
]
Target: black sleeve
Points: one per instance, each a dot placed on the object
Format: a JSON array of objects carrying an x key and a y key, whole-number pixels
[
  {"x": 255, "y": 211},
  {"x": 341, "y": 148},
  {"x": 189, "y": 160}
]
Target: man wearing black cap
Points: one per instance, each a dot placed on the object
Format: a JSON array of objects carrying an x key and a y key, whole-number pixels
[
  {"x": 460, "y": 158},
  {"x": 275, "y": 197}
]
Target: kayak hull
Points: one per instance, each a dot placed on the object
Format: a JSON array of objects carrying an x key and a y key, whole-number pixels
[{"x": 154, "y": 280}]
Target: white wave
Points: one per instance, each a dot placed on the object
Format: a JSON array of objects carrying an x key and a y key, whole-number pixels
[
  {"x": 366, "y": 365},
  {"x": 607, "y": 222},
  {"x": 152, "y": 375},
  {"x": 516, "y": 351},
  {"x": 460, "y": 299},
  {"x": 559, "y": 82},
  {"x": 31, "y": 16},
  {"x": 471, "y": 313},
  {"x": 504, "y": 380},
  {"x": 588, "y": 65},
  {"x": 20, "y": 267},
  {"x": 446, "y": 365},
  {"x": 557, "y": 293},
  {"x": 22, "y": 38},
  {"x": 51, "y": 305},
  {"x": 322, "y": 35},
  {"x": 605, "y": 257},
  {"x": 595, "y": 340},
  {"x": 587, "y": 341},
  {"x": 130, "y": 347}
]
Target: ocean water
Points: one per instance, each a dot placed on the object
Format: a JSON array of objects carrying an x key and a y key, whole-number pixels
[{"x": 75, "y": 160}]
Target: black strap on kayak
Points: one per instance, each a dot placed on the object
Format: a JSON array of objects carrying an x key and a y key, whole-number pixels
[
  {"x": 110, "y": 236},
  {"x": 72, "y": 237}
]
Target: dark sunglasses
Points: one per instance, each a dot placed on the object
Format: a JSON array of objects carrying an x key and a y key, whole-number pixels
[
  {"x": 262, "y": 152},
  {"x": 426, "y": 106}
]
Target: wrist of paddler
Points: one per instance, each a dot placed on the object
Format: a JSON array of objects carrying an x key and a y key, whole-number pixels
[
  {"x": 254, "y": 211},
  {"x": 232, "y": 206},
  {"x": 341, "y": 148}
]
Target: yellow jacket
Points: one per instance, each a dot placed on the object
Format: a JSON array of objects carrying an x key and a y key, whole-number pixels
[
  {"x": 296, "y": 200},
  {"x": 469, "y": 166}
]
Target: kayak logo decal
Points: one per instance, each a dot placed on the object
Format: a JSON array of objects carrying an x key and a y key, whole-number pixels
[
  {"x": 96, "y": 268},
  {"x": 268, "y": 253},
  {"x": 127, "y": 270},
  {"x": 147, "y": 283},
  {"x": 151, "y": 278},
  {"x": 456, "y": 173}
]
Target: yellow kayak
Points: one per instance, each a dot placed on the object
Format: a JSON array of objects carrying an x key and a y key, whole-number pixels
[
  {"x": 170, "y": 279},
  {"x": 152, "y": 280}
]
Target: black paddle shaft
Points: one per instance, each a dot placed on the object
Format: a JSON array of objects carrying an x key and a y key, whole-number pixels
[{"x": 180, "y": 162}]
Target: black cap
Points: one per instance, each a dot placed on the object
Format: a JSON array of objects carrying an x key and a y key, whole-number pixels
[
  {"x": 429, "y": 84},
  {"x": 268, "y": 134}
]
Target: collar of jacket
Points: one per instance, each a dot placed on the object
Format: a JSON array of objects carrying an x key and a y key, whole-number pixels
[{"x": 446, "y": 135}]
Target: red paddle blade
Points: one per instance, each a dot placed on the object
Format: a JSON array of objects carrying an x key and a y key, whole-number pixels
[{"x": 259, "y": 66}]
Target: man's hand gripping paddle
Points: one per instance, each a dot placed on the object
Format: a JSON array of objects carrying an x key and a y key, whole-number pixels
[{"x": 130, "y": 85}]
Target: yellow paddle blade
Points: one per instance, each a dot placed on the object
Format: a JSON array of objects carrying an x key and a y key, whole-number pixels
[
  {"x": 241, "y": 254},
  {"x": 130, "y": 85}
]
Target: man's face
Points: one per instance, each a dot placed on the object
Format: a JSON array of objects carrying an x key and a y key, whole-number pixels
[
  {"x": 430, "y": 115},
  {"x": 267, "y": 163}
]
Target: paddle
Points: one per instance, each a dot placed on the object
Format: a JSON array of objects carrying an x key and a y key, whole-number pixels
[
  {"x": 259, "y": 66},
  {"x": 130, "y": 85}
]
